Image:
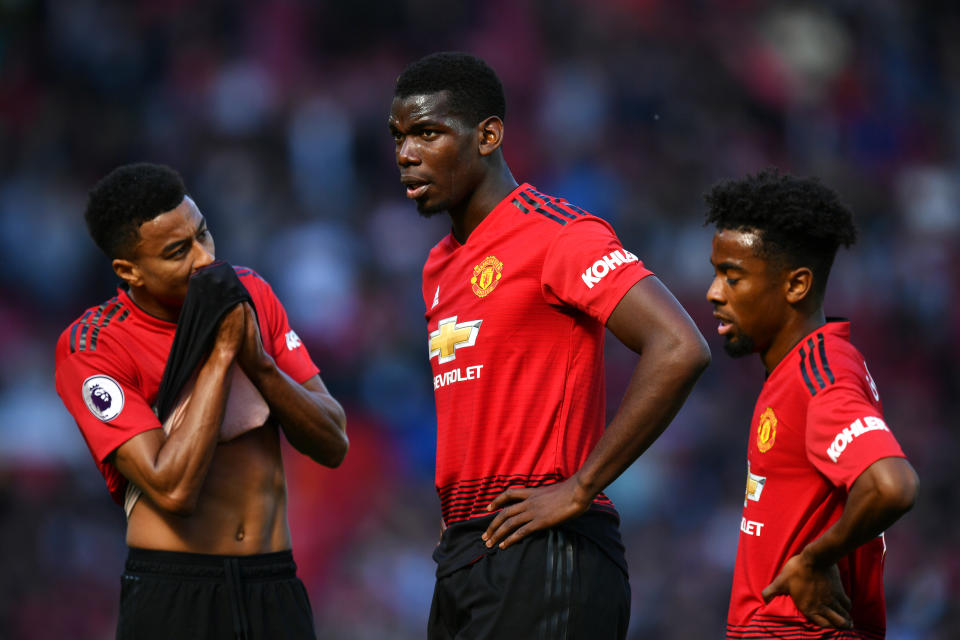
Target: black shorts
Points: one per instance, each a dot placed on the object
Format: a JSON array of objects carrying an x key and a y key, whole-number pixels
[
  {"x": 553, "y": 585},
  {"x": 164, "y": 594}
]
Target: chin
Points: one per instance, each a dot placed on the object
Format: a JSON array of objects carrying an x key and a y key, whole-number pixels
[
  {"x": 738, "y": 347},
  {"x": 429, "y": 210}
]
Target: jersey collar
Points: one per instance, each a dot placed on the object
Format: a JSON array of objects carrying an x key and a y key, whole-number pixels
[
  {"x": 490, "y": 219},
  {"x": 142, "y": 316},
  {"x": 839, "y": 327}
]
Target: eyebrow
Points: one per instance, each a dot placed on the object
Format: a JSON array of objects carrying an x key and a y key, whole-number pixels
[
  {"x": 728, "y": 266},
  {"x": 177, "y": 243},
  {"x": 420, "y": 123}
]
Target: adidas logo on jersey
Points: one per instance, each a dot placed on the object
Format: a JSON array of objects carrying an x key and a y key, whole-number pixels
[{"x": 596, "y": 272}]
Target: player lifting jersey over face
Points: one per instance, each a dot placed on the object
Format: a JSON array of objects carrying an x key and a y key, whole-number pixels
[
  {"x": 518, "y": 298},
  {"x": 204, "y": 488}
]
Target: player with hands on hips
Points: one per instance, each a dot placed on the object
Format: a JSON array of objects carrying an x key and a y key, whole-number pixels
[
  {"x": 518, "y": 298},
  {"x": 825, "y": 474}
]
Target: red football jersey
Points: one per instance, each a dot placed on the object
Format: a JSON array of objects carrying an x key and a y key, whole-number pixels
[
  {"x": 109, "y": 363},
  {"x": 516, "y": 318},
  {"x": 818, "y": 424}
]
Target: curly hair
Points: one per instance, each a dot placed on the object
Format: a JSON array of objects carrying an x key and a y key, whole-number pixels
[
  {"x": 127, "y": 197},
  {"x": 800, "y": 221},
  {"x": 475, "y": 90}
]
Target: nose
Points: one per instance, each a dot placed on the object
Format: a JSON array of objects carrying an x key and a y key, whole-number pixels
[
  {"x": 406, "y": 152},
  {"x": 715, "y": 292},
  {"x": 203, "y": 255}
]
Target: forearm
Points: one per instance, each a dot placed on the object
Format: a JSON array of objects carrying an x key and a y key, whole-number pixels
[
  {"x": 882, "y": 493},
  {"x": 172, "y": 468},
  {"x": 311, "y": 419},
  {"x": 660, "y": 384}
]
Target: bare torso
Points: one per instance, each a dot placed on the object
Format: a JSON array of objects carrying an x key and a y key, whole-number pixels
[{"x": 242, "y": 508}]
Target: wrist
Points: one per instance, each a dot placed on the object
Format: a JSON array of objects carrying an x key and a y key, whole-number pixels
[
  {"x": 583, "y": 489},
  {"x": 221, "y": 356},
  {"x": 259, "y": 369},
  {"x": 815, "y": 558}
]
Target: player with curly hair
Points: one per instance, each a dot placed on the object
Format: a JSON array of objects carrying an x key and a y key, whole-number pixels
[{"x": 825, "y": 475}]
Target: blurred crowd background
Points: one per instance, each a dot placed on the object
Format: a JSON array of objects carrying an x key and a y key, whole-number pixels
[{"x": 276, "y": 113}]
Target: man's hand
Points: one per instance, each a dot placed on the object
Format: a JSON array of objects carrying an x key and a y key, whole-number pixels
[
  {"x": 229, "y": 337},
  {"x": 817, "y": 592},
  {"x": 528, "y": 510},
  {"x": 252, "y": 357}
]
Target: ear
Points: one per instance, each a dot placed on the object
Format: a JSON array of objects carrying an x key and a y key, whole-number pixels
[
  {"x": 490, "y": 134},
  {"x": 128, "y": 272},
  {"x": 799, "y": 285}
]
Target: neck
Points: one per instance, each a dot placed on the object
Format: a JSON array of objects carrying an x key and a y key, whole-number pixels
[
  {"x": 793, "y": 332},
  {"x": 466, "y": 216},
  {"x": 152, "y": 306}
]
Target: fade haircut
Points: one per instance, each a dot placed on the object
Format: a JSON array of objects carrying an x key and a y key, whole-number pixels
[
  {"x": 127, "y": 197},
  {"x": 475, "y": 89},
  {"x": 800, "y": 222}
]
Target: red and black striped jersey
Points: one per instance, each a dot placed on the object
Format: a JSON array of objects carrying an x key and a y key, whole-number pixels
[
  {"x": 109, "y": 363},
  {"x": 817, "y": 425},
  {"x": 515, "y": 324}
]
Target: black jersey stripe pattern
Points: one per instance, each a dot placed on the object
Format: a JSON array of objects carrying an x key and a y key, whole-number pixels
[
  {"x": 769, "y": 626},
  {"x": 469, "y": 498},
  {"x": 84, "y": 333},
  {"x": 803, "y": 371},
  {"x": 555, "y": 209},
  {"x": 816, "y": 375},
  {"x": 821, "y": 348},
  {"x": 246, "y": 271}
]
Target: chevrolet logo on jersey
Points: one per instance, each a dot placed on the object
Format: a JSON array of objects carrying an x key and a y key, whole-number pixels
[
  {"x": 451, "y": 336},
  {"x": 755, "y": 486}
]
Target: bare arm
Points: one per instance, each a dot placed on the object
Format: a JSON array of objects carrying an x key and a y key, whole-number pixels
[
  {"x": 312, "y": 420},
  {"x": 880, "y": 495},
  {"x": 171, "y": 469},
  {"x": 673, "y": 354}
]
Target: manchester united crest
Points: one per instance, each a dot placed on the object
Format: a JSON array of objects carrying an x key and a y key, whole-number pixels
[
  {"x": 766, "y": 430},
  {"x": 486, "y": 275}
]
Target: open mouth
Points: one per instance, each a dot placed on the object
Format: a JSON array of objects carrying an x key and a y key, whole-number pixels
[
  {"x": 725, "y": 326},
  {"x": 415, "y": 188}
]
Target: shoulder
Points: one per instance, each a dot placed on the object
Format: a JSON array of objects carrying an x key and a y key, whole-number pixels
[
  {"x": 99, "y": 328},
  {"x": 255, "y": 283},
  {"x": 826, "y": 359},
  {"x": 249, "y": 277},
  {"x": 550, "y": 212}
]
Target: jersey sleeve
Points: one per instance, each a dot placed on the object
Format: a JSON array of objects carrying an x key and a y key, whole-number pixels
[
  {"x": 279, "y": 340},
  {"x": 846, "y": 432},
  {"x": 586, "y": 267},
  {"x": 100, "y": 390}
]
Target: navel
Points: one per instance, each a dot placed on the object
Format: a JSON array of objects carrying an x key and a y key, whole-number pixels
[{"x": 240, "y": 532}]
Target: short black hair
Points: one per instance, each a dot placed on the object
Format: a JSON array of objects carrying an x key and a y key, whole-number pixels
[
  {"x": 475, "y": 90},
  {"x": 800, "y": 221},
  {"x": 127, "y": 197}
]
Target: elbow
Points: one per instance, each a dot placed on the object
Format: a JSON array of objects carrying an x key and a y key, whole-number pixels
[
  {"x": 178, "y": 503},
  {"x": 899, "y": 492},
  {"x": 337, "y": 451},
  {"x": 692, "y": 350},
  {"x": 702, "y": 358},
  {"x": 336, "y": 455},
  {"x": 341, "y": 454}
]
